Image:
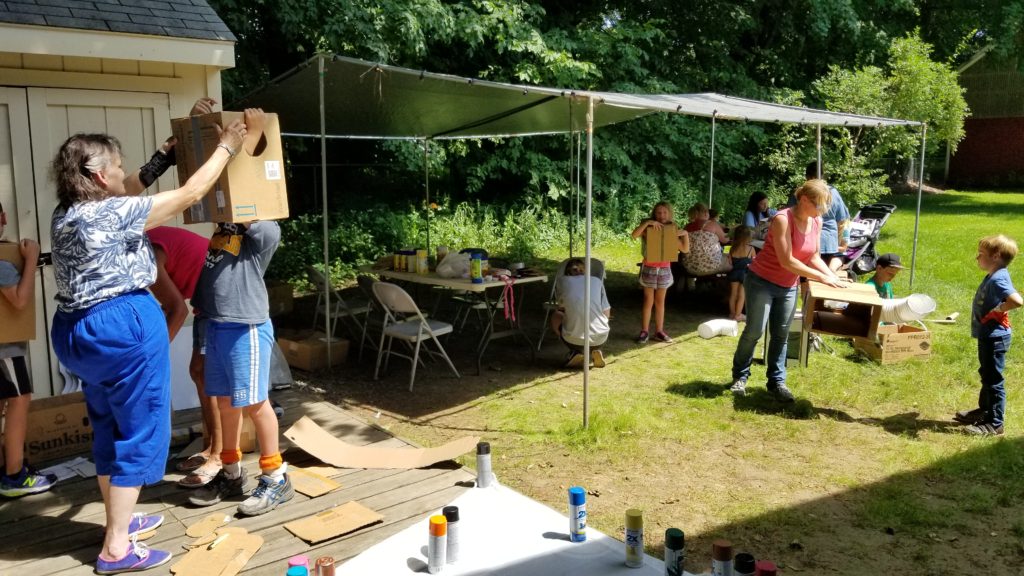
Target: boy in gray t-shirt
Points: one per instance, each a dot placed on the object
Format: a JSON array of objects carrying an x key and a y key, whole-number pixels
[{"x": 18, "y": 288}]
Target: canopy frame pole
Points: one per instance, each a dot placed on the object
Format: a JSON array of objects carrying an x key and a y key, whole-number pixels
[
  {"x": 323, "y": 189},
  {"x": 917, "y": 217},
  {"x": 817, "y": 146},
  {"x": 711, "y": 170},
  {"x": 586, "y": 260},
  {"x": 579, "y": 187},
  {"x": 426, "y": 188},
  {"x": 572, "y": 189}
]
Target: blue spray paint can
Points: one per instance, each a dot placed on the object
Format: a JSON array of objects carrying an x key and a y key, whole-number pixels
[{"x": 577, "y": 514}]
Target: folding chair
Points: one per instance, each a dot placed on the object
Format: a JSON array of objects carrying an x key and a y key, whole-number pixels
[
  {"x": 374, "y": 316},
  {"x": 596, "y": 270},
  {"x": 398, "y": 304},
  {"x": 339, "y": 309}
]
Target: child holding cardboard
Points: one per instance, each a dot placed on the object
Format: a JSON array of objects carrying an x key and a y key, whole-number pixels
[
  {"x": 990, "y": 324},
  {"x": 656, "y": 276},
  {"x": 18, "y": 287}
]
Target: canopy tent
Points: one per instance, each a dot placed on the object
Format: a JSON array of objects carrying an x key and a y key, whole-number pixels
[{"x": 332, "y": 96}]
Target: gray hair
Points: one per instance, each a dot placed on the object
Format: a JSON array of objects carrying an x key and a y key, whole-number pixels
[{"x": 79, "y": 157}]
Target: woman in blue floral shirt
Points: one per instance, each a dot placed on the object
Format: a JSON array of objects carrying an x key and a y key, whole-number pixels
[{"x": 109, "y": 330}]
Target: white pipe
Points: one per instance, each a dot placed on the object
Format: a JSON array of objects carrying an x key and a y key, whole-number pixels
[
  {"x": 586, "y": 261},
  {"x": 917, "y": 217}
]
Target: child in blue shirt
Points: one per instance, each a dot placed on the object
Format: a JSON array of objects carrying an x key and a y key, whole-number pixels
[{"x": 990, "y": 324}]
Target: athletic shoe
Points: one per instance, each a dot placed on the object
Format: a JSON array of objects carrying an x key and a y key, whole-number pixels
[
  {"x": 139, "y": 557},
  {"x": 597, "y": 357},
  {"x": 219, "y": 488},
  {"x": 781, "y": 393},
  {"x": 984, "y": 429},
  {"x": 739, "y": 387},
  {"x": 25, "y": 482},
  {"x": 643, "y": 337},
  {"x": 268, "y": 494},
  {"x": 662, "y": 337},
  {"x": 143, "y": 523},
  {"x": 976, "y": 416},
  {"x": 575, "y": 360}
]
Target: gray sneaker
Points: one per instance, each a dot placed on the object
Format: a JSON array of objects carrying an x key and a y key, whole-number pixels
[
  {"x": 781, "y": 392},
  {"x": 267, "y": 496},
  {"x": 739, "y": 387},
  {"x": 219, "y": 488}
]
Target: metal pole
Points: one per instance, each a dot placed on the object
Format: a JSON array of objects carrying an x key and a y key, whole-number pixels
[
  {"x": 426, "y": 186},
  {"x": 571, "y": 187},
  {"x": 711, "y": 171},
  {"x": 323, "y": 183},
  {"x": 586, "y": 260},
  {"x": 817, "y": 144},
  {"x": 917, "y": 217}
]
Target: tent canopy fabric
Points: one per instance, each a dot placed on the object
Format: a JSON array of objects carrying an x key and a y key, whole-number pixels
[{"x": 368, "y": 100}]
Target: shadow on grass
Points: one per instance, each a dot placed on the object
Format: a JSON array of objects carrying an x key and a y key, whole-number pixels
[
  {"x": 907, "y": 424},
  {"x": 698, "y": 389}
]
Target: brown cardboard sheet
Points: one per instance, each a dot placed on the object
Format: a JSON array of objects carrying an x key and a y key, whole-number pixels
[
  {"x": 310, "y": 483},
  {"x": 227, "y": 557},
  {"x": 306, "y": 434},
  {"x": 343, "y": 519},
  {"x": 207, "y": 525},
  {"x": 17, "y": 325},
  {"x": 662, "y": 244}
]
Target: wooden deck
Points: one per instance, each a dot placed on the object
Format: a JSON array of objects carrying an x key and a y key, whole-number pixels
[{"x": 60, "y": 532}]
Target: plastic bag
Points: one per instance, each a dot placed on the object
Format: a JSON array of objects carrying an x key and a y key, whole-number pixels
[{"x": 454, "y": 265}]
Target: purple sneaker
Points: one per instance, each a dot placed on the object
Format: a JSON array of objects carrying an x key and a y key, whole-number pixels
[
  {"x": 139, "y": 557},
  {"x": 142, "y": 523}
]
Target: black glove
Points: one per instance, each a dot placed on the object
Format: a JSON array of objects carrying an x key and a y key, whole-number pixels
[{"x": 157, "y": 165}]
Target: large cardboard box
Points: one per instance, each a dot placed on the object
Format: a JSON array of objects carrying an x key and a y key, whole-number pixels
[
  {"x": 896, "y": 342},
  {"x": 17, "y": 325},
  {"x": 310, "y": 353},
  {"x": 251, "y": 187},
  {"x": 58, "y": 427},
  {"x": 661, "y": 245}
]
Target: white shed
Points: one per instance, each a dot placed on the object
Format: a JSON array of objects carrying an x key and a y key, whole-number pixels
[{"x": 70, "y": 66}]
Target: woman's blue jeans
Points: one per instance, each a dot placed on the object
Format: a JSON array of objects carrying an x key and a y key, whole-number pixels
[{"x": 767, "y": 304}]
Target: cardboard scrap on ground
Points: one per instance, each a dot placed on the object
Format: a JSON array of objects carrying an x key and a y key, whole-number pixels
[
  {"x": 207, "y": 525},
  {"x": 310, "y": 483},
  {"x": 343, "y": 519},
  {"x": 309, "y": 436},
  {"x": 227, "y": 557}
]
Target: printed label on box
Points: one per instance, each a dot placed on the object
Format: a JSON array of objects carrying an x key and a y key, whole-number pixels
[
  {"x": 220, "y": 198},
  {"x": 272, "y": 169},
  {"x": 245, "y": 210}
]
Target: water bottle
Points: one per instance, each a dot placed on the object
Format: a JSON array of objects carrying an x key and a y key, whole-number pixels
[{"x": 476, "y": 272}]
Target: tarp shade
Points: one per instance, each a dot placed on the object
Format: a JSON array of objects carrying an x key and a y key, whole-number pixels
[{"x": 367, "y": 100}]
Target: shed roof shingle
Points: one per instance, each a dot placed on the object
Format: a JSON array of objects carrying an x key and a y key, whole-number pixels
[{"x": 174, "y": 18}]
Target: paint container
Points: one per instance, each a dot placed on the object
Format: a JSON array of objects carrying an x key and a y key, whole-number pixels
[
  {"x": 675, "y": 552},
  {"x": 765, "y": 568},
  {"x": 743, "y": 564},
  {"x": 721, "y": 558},
  {"x": 437, "y": 544},
  {"x": 476, "y": 271},
  {"x": 577, "y": 514},
  {"x": 422, "y": 265},
  {"x": 483, "y": 465},
  {"x": 297, "y": 571},
  {"x": 634, "y": 538},
  {"x": 395, "y": 263},
  {"x": 325, "y": 566},
  {"x": 451, "y": 514},
  {"x": 299, "y": 560}
]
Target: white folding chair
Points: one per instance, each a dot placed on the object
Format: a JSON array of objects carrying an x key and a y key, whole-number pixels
[
  {"x": 596, "y": 270},
  {"x": 339, "y": 309},
  {"x": 403, "y": 320}
]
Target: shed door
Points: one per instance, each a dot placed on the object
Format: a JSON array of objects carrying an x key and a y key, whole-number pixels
[{"x": 139, "y": 120}]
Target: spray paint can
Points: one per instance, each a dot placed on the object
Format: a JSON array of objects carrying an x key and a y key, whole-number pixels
[
  {"x": 743, "y": 565},
  {"x": 437, "y": 544},
  {"x": 483, "y": 465},
  {"x": 765, "y": 568},
  {"x": 451, "y": 514},
  {"x": 325, "y": 566},
  {"x": 476, "y": 271},
  {"x": 675, "y": 552},
  {"x": 721, "y": 558},
  {"x": 577, "y": 514},
  {"x": 634, "y": 538}
]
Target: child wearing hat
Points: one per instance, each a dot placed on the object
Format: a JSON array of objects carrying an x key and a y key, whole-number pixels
[{"x": 887, "y": 266}]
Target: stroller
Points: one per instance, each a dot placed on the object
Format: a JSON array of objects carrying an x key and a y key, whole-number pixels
[{"x": 864, "y": 230}]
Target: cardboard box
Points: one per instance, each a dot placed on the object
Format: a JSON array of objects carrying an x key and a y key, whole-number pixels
[
  {"x": 661, "y": 245},
  {"x": 281, "y": 297},
  {"x": 310, "y": 353},
  {"x": 896, "y": 342},
  {"x": 251, "y": 187},
  {"x": 17, "y": 325},
  {"x": 58, "y": 427}
]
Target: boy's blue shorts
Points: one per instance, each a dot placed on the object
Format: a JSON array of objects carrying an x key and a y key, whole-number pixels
[
  {"x": 238, "y": 361},
  {"x": 120, "y": 350}
]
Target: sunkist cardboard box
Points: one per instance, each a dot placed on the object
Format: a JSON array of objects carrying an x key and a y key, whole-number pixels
[
  {"x": 16, "y": 325},
  {"x": 310, "y": 353},
  {"x": 251, "y": 187},
  {"x": 58, "y": 427},
  {"x": 896, "y": 342}
]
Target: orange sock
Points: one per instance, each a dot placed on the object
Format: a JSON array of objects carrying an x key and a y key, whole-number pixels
[
  {"x": 231, "y": 456},
  {"x": 270, "y": 463}
]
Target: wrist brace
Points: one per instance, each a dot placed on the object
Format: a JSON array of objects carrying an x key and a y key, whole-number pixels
[{"x": 155, "y": 168}]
